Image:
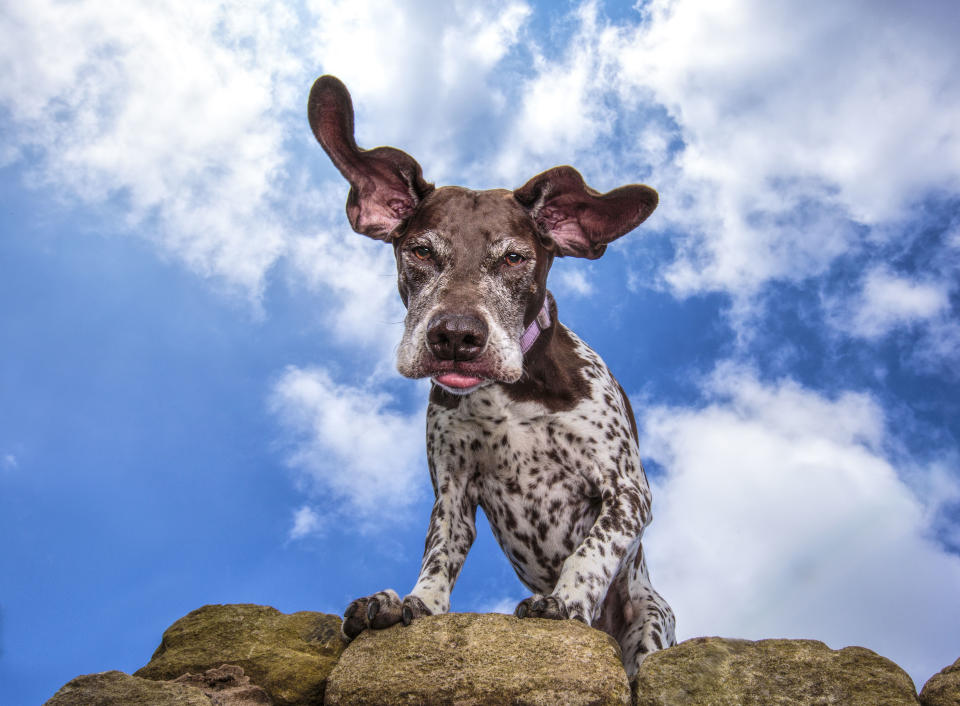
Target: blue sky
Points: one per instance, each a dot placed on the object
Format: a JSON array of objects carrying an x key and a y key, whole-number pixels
[{"x": 197, "y": 395}]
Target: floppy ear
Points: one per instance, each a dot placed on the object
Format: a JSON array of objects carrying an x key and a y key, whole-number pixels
[
  {"x": 386, "y": 185},
  {"x": 582, "y": 221}
]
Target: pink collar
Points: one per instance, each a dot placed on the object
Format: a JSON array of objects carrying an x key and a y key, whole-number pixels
[{"x": 536, "y": 327}]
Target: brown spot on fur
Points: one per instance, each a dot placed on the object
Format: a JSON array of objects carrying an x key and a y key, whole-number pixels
[{"x": 441, "y": 397}]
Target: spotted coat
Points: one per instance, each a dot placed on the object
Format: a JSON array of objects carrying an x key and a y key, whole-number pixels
[
  {"x": 524, "y": 420},
  {"x": 566, "y": 497}
]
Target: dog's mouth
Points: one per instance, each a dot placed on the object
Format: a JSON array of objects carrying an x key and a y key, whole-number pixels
[
  {"x": 459, "y": 378},
  {"x": 458, "y": 383}
]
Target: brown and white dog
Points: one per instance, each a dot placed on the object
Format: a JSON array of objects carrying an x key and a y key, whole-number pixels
[{"x": 525, "y": 420}]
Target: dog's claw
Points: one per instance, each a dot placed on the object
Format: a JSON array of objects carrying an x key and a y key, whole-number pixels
[
  {"x": 538, "y": 606},
  {"x": 351, "y": 609},
  {"x": 373, "y": 608},
  {"x": 407, "y": 615}
]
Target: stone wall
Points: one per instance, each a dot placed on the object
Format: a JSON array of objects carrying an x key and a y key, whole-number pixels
[{"x": 240, "y": 655}]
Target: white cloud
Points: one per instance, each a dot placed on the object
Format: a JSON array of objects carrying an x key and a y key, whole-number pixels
[
  {"x": 10, "y": 462},
  {"x": 794, "y": 122},
  {"x": 560, "y": 115},
  {"x": 937, "y": 349},
  {"x": 170, "y": 109},
  {"x": 306, "y": 522},
  {"x": 888, "y": 301},
  {"x": 572, "y": 281},
  {"x": 417, "y": 70},
  {"x": 361, "y": 276},
  {"x": 914, "y": 311},
  {"x": 190, "y": 116},
  {"x": 349, "y": 444},
  {"x": 796, "y": 126},
  {"x": 781, "y": 513},
  {"x": 498, "y": 605}
]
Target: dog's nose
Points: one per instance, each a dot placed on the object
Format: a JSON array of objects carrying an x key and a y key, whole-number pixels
[{"x": 456, "y": 336}]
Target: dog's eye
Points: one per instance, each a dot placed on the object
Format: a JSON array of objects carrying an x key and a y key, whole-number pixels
[
  {"x": 513, "y": 259},
  {"x": 422, "y": 252}
]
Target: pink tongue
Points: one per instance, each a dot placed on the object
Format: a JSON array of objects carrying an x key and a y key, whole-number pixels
[{"x": 457, "y": 380}]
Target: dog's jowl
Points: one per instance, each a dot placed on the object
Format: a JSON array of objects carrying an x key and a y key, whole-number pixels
[{"x": 524, "y": 420}]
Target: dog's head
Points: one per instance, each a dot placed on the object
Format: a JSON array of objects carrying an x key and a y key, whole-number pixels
[{"x": 472, "y": 265}]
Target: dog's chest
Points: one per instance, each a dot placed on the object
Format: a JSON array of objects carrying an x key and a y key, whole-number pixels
[{"x": 535, "y": 472}]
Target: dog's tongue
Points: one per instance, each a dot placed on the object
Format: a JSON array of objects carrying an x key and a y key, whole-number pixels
[{"x": 457, "y": 380}]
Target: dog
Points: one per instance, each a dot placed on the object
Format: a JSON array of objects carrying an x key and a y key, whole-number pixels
[{"x": 524, "y": 420}]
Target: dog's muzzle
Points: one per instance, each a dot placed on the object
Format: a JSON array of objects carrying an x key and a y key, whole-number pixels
[{"x": 462, "y": 337}]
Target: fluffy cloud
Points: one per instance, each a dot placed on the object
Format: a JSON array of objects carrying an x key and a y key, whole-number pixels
[
  {"x": 306, "y": 521},
  {"x": 782, "y": 513},
  {"x": 772, "y": 134},
  {"x": 795, "y": 123},
  {"x": 559, "y": 115},
  {"x": 499, "y": 605},
  {"x": 888, "y": 301},
  {"x": 418, "y": 71},
  {"x": 361, "y": 275},
  {"x": 170, "y": 110},
  {"x": 915, "y": 309},
  {"x": 350, "y": 444},
  {"x": 190, "y": 116},
  {"x": 571, "y": 281}
]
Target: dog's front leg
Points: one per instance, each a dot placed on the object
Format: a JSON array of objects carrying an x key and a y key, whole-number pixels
[
  {"x": 449, "y": 537},
  {"x": 587, "y": 574}
]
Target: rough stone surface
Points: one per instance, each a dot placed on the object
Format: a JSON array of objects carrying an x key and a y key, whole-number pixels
[
  {"x": 227, "y": 686},
  {"x": 248, "y": 655},
  {"x": 470, "y": 660},
  {"x": 943, "y": 688},
  {"x": 119, "y": 689},
  {"x": 718, "y": 672},
  {"x": 289, "y": 656}
]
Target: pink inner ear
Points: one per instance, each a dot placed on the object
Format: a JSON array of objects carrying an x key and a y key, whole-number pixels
[
  {"x": 571, "y": 238},
  {"x": 565, "y": 230},
  {"x": 376, "y": 214},
  {"x": 386, "y": 183},
  {"x": 579, "y": 219},
  {"x": 401, "y": 207}
]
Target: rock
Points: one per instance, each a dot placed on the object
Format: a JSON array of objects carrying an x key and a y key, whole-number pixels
[
  {"x": 227, "y": 686},
  {"x": 943, "y": 688},
  {"x": 289, "y": 656},
  {"x": 119, "y": 689},
  {"x": 471, "y": 660},
  {"x": 718, "y": 671}
]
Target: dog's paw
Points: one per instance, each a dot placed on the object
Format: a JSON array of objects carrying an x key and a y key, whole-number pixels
[
  {"x": 537, "y": 606},
  {"x": 381, "y": 610}
]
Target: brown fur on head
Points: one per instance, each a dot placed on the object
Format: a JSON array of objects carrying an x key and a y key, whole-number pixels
[{"x": 472, "y": 265}]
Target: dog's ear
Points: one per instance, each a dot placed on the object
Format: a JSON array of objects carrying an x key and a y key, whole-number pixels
[
  {"x": 580, "y": 220},
  {"x": 386, "y": 185}
]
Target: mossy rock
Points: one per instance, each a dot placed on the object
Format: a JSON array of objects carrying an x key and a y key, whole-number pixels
[
  {"x": 119, "y": 689},
  {"x": 943, "y": 688},
  {"x": 473, "y": 660},
  {"x": 719, "y": 672},
  {"x": 289, "y": 656}
]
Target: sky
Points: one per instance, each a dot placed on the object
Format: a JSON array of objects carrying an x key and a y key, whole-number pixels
[{"x": 198, "y": 399}]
